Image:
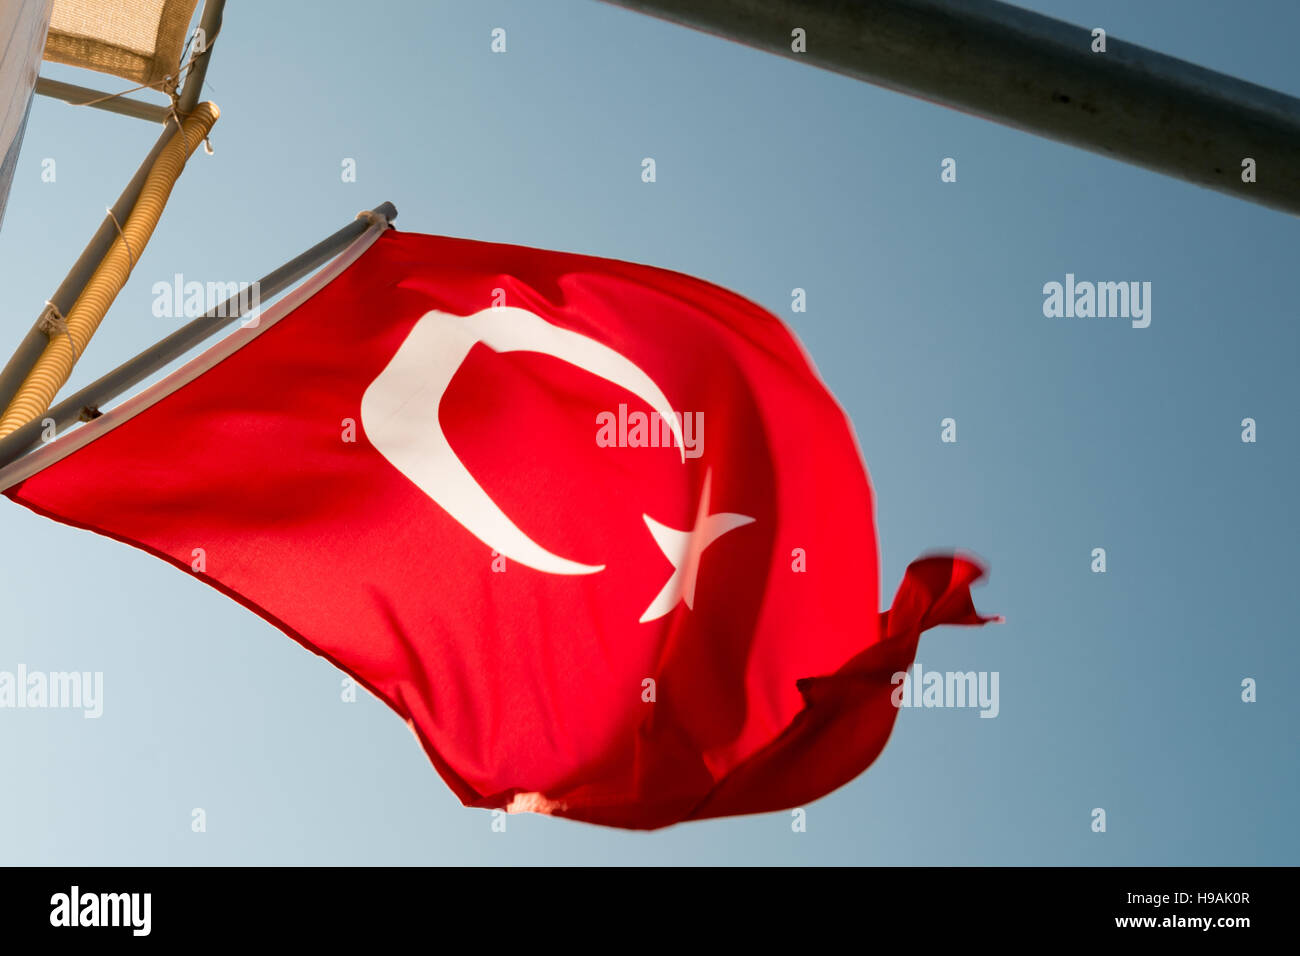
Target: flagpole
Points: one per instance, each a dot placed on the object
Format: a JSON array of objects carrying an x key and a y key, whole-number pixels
[
  {"x": 84, "y": 405},
  {"x": 1037, "y": 74}
]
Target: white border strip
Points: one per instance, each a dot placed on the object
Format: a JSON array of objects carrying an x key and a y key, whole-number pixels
[{"x": 78, "y": 438}]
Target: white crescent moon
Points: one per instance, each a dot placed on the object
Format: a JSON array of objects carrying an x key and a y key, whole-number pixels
[{"x": 399, "y": 412}]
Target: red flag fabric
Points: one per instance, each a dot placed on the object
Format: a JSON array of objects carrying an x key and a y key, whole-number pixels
[{"x": 595, "y": 530}]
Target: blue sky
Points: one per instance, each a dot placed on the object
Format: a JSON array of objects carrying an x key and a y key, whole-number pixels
[{"x": 1118, "y": 690}]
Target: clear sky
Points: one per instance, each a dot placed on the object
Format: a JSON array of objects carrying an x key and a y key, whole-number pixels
[{"x": 1119, "y": 690}]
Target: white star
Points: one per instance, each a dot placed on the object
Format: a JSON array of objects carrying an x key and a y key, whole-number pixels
[{"x": 683, "y": 549}]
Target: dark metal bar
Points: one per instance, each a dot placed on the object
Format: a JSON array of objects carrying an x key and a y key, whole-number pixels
[
  {"x": 1036, "y": 74},
  {"x": 84, "y": 404},
  {"x": 84, "y": 96}
]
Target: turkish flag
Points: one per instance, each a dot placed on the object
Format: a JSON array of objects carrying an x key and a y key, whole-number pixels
[{"x": 597, "y": 531}]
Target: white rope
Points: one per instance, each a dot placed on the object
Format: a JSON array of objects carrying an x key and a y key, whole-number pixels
[
  {"x": 129, "y": 254},
  {"x": 53, "y": 324}
]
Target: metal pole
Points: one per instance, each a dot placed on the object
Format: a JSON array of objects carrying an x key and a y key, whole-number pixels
[
  {"x": 33, "y": 344},
  {"x": 210, "y": 24},
  {"x": 31, "y": 347},
  {"x": 1036, "y": 74},
  {"x": 84, "y": 96},
  {"x": 84, "y": 404}
]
